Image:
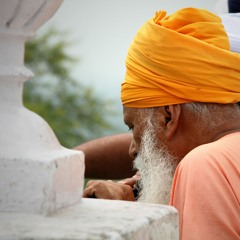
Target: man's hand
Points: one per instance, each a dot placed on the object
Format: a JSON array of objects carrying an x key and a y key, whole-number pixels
[
  {"x": 108, "y": 190},
  {"x": 131, "y": 181}
]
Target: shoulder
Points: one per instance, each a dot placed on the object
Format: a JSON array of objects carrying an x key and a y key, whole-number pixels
[
  {"x": 206, "y": 180},
  {"x": 218, "y": 161}
]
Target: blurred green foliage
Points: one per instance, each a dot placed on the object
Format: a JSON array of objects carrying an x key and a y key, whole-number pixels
[{"x": 73, "y": 110}]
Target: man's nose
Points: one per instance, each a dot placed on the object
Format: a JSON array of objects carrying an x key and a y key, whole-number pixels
[{"x": 132, "y": 150}]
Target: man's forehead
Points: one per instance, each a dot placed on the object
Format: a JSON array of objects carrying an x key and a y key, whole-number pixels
[{"x": 129, "y": 113}]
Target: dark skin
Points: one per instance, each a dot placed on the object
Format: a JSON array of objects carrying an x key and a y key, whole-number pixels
[
  {"x": 182, "y": 132},
  {"x": 176, "y": 124}
]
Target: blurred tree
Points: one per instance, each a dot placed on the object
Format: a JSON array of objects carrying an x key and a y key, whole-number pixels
[{"x": 75, "y": 113}]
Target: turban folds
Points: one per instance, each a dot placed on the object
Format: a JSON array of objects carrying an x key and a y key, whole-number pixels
[{"x": 184, "y": 57}]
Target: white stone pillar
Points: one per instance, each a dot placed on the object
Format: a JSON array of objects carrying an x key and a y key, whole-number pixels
[{"x": 37, "y": 174}]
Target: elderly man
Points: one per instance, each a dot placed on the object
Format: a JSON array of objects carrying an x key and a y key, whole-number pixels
[
  {"x": 107, "y": 157},
  {"x": 179, "y": 96}
]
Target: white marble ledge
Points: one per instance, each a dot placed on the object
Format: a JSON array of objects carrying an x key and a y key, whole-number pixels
[{"x": 94, "y": 219}]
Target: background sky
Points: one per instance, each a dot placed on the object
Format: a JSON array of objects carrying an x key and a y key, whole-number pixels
[{"x": 102, "y": 31}]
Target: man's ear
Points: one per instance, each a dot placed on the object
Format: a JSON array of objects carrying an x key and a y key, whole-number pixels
[{"x": 173, "y": 113}]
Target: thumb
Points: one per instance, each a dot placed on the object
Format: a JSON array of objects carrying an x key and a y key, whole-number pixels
[{"x": 130, "y": 181}]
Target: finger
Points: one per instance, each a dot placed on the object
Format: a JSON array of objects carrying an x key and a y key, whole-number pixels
[
  {"x": 138, "y": 173},
  {"x": 128, "y": 193},
  {"x": 130, "y": 181},
  {"x": 137, "y": 176},
  {"x": 96, "y": 189},
  {"x": 89, "y": 193},
  {"x": 90, "y": 182}
]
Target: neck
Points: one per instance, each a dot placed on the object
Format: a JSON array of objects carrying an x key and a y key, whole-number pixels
[
  {"x": 225, "y": 132},
  {"x": 194, "y": 131}
]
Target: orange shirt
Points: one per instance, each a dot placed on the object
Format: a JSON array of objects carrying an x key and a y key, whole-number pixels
[{"x": 206, "y": 191}]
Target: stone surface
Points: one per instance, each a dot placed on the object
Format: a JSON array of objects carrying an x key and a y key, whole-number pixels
[
  {"x": 41, "y": 182},
  {"x": 37, "y": 174},
  {"x": 95, "y": 219},
  {"x": 41, "y": 185}
]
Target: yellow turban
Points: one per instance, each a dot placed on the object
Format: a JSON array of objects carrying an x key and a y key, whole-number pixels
[{"x": 184, "y": 57}]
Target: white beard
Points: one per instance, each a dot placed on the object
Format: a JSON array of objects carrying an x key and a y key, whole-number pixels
[{"x": 156, "y": 167}]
